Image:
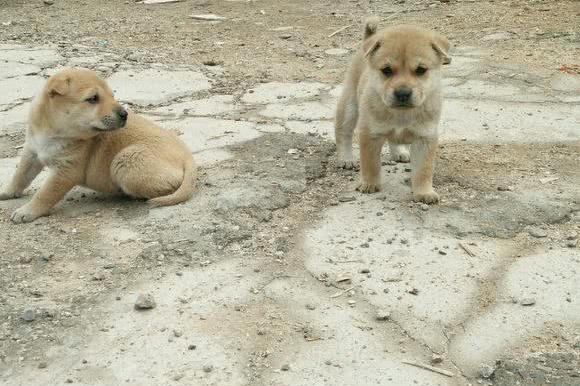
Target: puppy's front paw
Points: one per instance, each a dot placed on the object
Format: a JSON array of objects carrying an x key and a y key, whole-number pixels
[
  {"x": 24, "y": 214},
  {"x": 427, "y": 197},
  {"x": 9, "y": 195},
  {"x": 402, "y": 156},
  {"x": 368, "y": 188},
  {"x": 347, "y": 164}
]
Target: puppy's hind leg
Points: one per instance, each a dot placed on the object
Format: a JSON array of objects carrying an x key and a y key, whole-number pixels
[
  {"x": 344, "y": 124},
  {"x": 142, "y": 175}
]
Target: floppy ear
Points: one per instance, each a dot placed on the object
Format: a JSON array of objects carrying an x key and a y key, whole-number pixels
[
  {"x": 441, "y": 46},
  {"x": 58, "y": 86},
  {"x": 370, "y": 42}
]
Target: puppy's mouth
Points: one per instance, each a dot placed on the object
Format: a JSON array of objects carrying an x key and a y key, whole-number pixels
[{"x": 403, "y": 106}]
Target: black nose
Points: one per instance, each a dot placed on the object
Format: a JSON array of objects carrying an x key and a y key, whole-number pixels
[
  {"x": 403, "y": 94},
  {"x": 123, "y": 114}
]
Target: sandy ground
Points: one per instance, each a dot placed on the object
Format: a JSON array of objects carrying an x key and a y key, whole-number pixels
[{"x": 278, "y": 272}]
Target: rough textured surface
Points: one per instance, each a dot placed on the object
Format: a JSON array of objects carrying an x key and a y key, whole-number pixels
[{"x": 278, "y": 272}]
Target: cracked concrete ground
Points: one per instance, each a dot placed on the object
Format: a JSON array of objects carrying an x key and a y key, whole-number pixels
[{"x": 277, "y": 272}]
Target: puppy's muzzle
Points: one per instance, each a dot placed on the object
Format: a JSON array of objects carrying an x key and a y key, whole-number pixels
[
  {"x": 403, "y": 97},
  {"x": 116, "y": 120}
]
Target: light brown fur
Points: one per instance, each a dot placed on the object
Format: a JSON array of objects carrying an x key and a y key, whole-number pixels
[
  {"x": 96, "y": 145},
  {"x": 388, "y": 64}
]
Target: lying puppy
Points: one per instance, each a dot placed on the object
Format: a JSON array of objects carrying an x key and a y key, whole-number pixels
[
  {"x": 392, "y": 92},
  {"x": 78, "y": 130}
]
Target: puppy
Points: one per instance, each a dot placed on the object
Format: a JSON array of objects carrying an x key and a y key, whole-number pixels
[
  {"x": 392, "y": 92},
  {"x": 85, "y": 137}
]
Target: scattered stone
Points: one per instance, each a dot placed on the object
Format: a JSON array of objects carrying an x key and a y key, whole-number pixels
[
  {"x": 292, "y": 151},
  {"x": 310, "y": 307},
  {"x": 537, "y": 232},
  {"x": 413, "y": 291},
  {"x": 382, "y": 315},
  {"x": 442, "y": 252},
  {"x": 497, "y": 36},
  {"x": 424, "y": 207},
  {"x": 346, "y": 198},
  {"x": 503, "y": 188},
  {"x": 285, "y": 367},
  {"x": 145, "y": 302},
  {"x": 28, "y": 315},
  {"x": 436, "y": 359},
  {"x": 207, "y": 17},
  {"x": 158, "y": 1},
  {"x": 48, "y": 2},
  {"x": 572, "y": 243},
  {"x": 486, "y": 371},
  {"x": 285, "y": 36},
  {"x": 572, "y": 235},
  {"x": 364, "y": 245},
  {"x": 528, "y": 301},
  {"x": 336, "y": 52},
  {"x": 68, "y": 380},
  {"x": 42, "y": 365},
  {"x": 191, "y": 347},
  {"x": 177, "y": 333},
  {"x": 208, "y": 368},
  {"x": 364, "y": 270}
]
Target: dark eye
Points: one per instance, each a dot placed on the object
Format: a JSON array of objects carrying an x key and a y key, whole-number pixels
[
  {"x": 93, "y": 100},
  {"x": 387, "y": 71},
  {"x": 421, "y": 70}
]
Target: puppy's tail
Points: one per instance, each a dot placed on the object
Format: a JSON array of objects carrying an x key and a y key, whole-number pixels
[
  {"x": 185, "y": 190},
  {"x": 371, "y": 26}
]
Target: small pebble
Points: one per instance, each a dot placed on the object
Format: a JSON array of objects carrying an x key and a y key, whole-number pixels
[
  {"x": 528, "y": 301},
  {"x": 285, "y": 367},
  {"x": 42, "y": 365},
  {"x": 346, "y": 198},
  {"x": 191, "y": 347},
  {"x": 364, "y": 270},
  {"x": 145, "y": 302},
  {"x": 436, "y": 359},
  {"x": 177, "y": 333},
  {"x": 382, "y": 315},
  {"x": 208, "y": 368},
  {"x": 572, "y": 243},
  {"x": 486, "y": 371},
  {"x": 310, "y": 307},
  {"x": 425, "y": 207},
  {"x": 537, "y": 232},
  {"x": 28, "y": 315},
  {"x": 413, "y": 291},
  {"x": 442, "y": 252}
]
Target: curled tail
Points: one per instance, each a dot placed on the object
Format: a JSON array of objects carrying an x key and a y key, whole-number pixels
[{"x": 185, "y": 190}]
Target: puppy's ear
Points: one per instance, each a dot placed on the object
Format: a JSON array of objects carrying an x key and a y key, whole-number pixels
[
  {"x": 441, "y": 46},
  {"x": 370, "y": 46},
  {"x": 59, "y": 85},
  {"x": 371, "y": 26}
]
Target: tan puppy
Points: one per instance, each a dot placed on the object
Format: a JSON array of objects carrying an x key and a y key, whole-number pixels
[
  {"x": 392, "y": 92},
  {"x": 85, "y": 137}
]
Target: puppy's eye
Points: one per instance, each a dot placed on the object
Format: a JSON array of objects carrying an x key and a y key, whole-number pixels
[
  {"x": 387, "y": 71},
  {"x": 93, "y": 100},
  {"x": 421, "y": 70}
]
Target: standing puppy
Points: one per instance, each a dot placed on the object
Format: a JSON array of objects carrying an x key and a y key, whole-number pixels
[
  {"x": 392, "y": 92},
  {"x": 85, "y": 137}
]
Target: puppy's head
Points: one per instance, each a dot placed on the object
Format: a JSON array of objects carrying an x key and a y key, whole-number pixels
[
  {"x": 78, "y": 104},
  {"x": 405, "y": 63}
]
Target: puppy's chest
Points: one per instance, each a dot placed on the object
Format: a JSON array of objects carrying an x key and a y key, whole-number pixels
[
  {"x": 48, "y": 150},
  {"x": 403, "y": 132}
]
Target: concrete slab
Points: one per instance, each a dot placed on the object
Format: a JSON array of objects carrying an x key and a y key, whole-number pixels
[
  {"x": 549, "y": 279},
  {"x": 207, "y": 133},
  {"x": 214, "y": 105},
  {"x": 38, "y": 56},
  {"x": 11, "y": 69},
  {"x": 325, "y": 128},
  {"x": 302, "y": 111},
  {"x": 156, "y": 86},
  {"x": 277, "y": 92},
  {"x": 15, "y": 118},
  {"x": 509, "y": 122},
  {"x": 15, "y": 90}
]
